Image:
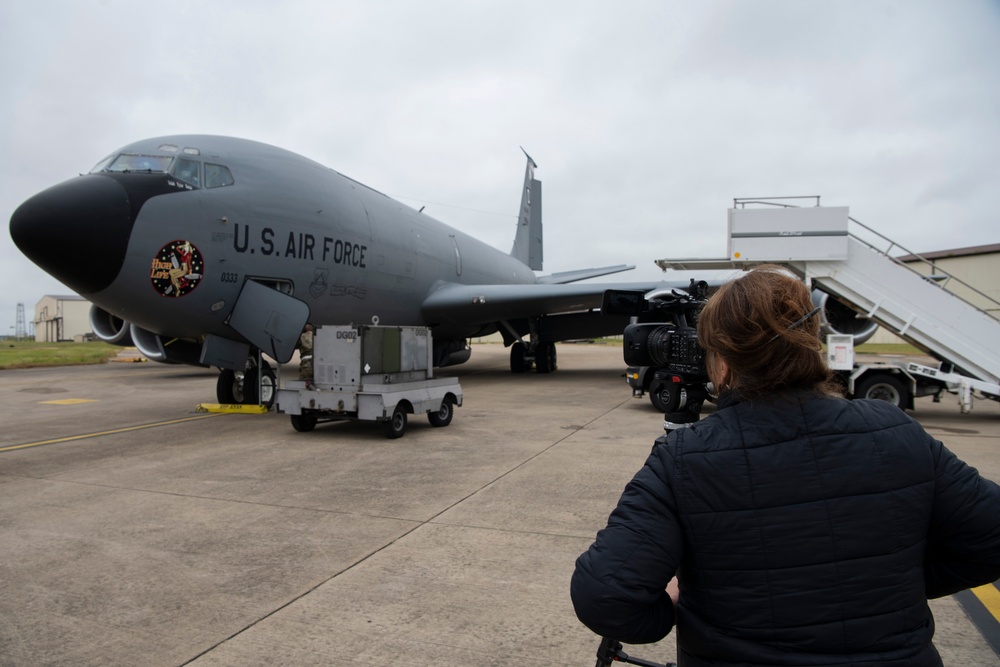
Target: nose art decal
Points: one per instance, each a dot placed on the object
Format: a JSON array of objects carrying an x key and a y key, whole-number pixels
[{"x": 176, "y": 269}]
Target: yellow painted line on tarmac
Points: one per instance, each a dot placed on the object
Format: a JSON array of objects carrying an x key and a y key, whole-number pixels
[
  {"x": 100, "y": 433},
  {"x": 990, "y": 597},
  {"x": 70, "y": 401}
]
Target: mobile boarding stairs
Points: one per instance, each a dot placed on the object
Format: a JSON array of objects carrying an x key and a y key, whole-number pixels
[{"x": 820, "y": 245}]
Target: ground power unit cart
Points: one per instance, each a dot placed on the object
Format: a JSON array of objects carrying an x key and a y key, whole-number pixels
[{"x": 371, "y": 373}]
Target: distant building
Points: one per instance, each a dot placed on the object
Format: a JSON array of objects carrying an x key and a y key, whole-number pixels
[
  {"x": 61, "y": 318},
  {"x": 978, "y": 267}
]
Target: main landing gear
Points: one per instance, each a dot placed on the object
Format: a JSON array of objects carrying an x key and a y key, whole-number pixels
[
  {"x": 541, "y": 355},
  {"x": 255, "y": 384}
]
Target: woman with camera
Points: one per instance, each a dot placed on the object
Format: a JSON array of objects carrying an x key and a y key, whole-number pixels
[{"x": 803, "y": 528}]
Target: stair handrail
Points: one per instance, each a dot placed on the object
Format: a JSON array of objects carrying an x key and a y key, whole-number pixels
[{"x": 934, "y": 278}]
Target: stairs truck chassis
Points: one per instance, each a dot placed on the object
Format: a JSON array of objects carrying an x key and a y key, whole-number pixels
[{"x": 900, "y": 381}]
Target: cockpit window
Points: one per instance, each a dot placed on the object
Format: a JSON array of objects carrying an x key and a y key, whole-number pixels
[
  {"x": 151, "y": 164},
  {"x": 183, "y": 168},
  {"x": 217, "y": 176},
  {"x": 188, "y": 171},
  {"x": 102, "y": 165}
]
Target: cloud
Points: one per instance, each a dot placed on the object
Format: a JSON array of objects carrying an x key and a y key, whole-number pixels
[{"x": 646, "y": 118}]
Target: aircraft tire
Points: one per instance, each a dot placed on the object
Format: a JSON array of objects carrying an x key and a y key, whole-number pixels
[
  {"x": 518, "y": 362},
  {"x": 395, "y": 426},
  {"x": 545, "y": 357},
  {"x": 443, "y": 416},
  {"x": 229, "y": 387},
  {"x": 303, "y": 423},
  {"x": 268, "y": 386}
]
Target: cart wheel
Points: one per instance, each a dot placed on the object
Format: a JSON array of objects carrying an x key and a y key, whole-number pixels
[
  {"x": 443, "y": 416},
  {"x": 395, "y": 427},
  {"x": 303, "y": 423}
]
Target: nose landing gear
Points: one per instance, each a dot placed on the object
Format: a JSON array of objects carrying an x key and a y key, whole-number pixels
[{"x": 254, "y": 385}]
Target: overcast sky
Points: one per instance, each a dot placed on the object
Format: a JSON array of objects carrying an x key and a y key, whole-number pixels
[{"x": 646, "y": 117}]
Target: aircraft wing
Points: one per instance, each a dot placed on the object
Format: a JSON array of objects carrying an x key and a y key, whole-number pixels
[
  {"x": 583, "y": 274},
  {"x": 478, "y": 304}
]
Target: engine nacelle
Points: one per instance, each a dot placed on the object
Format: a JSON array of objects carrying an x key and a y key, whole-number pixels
[
  {"x": 109, "y": 328},
  {"x": 451, "y": 352},
  {"x": 840, "y": 319},
  {"x": 171, "y": 351}
]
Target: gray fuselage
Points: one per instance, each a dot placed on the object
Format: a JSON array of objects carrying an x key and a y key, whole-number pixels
[{"x": 351, "y": 253}]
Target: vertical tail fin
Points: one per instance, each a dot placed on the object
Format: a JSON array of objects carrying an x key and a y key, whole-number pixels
[{"x": 528, "y": 240}]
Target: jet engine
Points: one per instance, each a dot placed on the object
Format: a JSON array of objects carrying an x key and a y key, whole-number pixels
[
  {"x": 109, "y": 328},
  {"x": 841, "y": 319},
  {"x": 167, "y": 351}
]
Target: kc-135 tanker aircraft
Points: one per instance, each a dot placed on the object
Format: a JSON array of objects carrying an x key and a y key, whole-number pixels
[{"x": 205, "y": 250}]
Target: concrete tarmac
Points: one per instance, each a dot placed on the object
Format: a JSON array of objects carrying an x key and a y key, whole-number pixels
[{"x": 135, "y": 531}]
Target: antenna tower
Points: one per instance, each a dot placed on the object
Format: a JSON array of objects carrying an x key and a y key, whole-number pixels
[{"x": 20, "y": 331}]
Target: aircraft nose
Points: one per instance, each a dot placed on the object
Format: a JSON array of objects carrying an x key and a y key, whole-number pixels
[{"x": 76, "y": 231}]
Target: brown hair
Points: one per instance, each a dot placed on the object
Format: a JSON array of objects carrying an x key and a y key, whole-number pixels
[{"x": 755, "y": 323}]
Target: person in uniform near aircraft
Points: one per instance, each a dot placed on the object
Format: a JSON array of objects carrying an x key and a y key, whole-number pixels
[
  {"x": 306, "y": 353},
  {"x": 802, "y": 528}
]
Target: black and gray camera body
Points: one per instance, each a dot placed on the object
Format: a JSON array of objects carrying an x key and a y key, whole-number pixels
[
  {"x": 669, "y": 347},
  {"x": 663, "y": 339}
]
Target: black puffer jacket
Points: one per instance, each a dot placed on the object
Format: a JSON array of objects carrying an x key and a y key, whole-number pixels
[{"x": 805, "y": 530}]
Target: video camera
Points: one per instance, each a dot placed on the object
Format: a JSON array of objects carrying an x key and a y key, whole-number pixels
[{"x": 668, "y": 344}]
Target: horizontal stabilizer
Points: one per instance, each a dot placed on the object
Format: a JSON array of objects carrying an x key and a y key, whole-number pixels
[{"x": 582, "y": 274}]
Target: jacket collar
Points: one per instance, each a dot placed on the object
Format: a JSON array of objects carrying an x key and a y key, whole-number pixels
[{"x": 730, "y": 397}]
